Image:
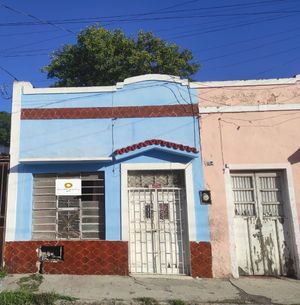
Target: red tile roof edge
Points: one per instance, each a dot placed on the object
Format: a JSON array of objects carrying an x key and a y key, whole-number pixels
[{"x": 157, "y": 142}]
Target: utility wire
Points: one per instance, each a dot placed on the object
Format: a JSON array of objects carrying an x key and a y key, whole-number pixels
[
  {"x": 33, "y": 43},
  {"x": 227, "y": 26},
  {"x": 26, "y": 33},
  {"x": 8, "y": 73},
  {"x": 158, "y": 12},
  {"x": 257, "y": 58},
  {"x": 279, "y": 65},
  {"x": 293, "y": 29},
  {"x": 9, "y": 49},
  {"x": 249, "y": 49},
  {"x": 34, "y": 17},
  {"x": 177, "y": 5},
  {"x": 208, "y": 59},
  {"x": 188, "y": 17},
  {"x": 222, "y": 28}
]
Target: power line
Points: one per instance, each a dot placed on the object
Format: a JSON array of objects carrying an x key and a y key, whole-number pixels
[
  {"x": 260, "y": 126},
  {"x": 4, "y": 92},
  {"x": 246, "y": 40},
  {"x": 279, "y": 65},
  {"x": 222, "y": 28},
  {"x": 228, "y": 26},
  {"x": 208, "y": 59},
  {"x": 8, "y": 73},
  {"x": 155, "y": 12},
  {"x": 37, "y": 42},
  {"x": 177, "y": 5},
  {"x": 258, "y": 58},
  {"x": 34, "y": 17},
  {"x": 248, "y": 49},
  {"x": 26, "y": 33},
  {"x": 33, "y": 43},
  {"x": 188, "y": 17}
]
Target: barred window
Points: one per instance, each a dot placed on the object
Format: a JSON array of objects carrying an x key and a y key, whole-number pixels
[{"x": 68, "y": 217}]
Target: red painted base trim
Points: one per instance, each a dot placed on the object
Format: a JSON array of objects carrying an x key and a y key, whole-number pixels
[
  {"x": 80, "y": 257},
  {"x": 91, "y": 257},
  {"x": 201, "y": 259}
]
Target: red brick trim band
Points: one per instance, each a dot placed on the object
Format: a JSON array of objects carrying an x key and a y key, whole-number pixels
[
  {"x": 109, "y": 112},
  {"x": 91, "y": 257}
]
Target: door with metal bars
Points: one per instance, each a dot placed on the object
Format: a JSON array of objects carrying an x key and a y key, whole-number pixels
[
  {"x": 262, "y": 224},
  {"x": 157, "y": 217}
]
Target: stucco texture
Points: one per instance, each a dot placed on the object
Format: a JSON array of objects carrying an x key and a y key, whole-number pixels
[
  {"x": 265, "y": 138},
  {"x": 250, "y": 95}
]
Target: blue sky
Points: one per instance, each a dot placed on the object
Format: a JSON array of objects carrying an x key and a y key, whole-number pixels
[{"x": 232, "y": 39}]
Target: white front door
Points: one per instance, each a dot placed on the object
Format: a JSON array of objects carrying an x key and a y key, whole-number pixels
[
  {"x": 157, "y": 216},
  {"x": 262, "y": 221}
]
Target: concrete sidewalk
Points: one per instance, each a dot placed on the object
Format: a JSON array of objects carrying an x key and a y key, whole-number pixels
[{"x": 128, "y": 290}]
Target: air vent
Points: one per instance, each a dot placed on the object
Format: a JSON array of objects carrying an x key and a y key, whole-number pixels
[{"x": 51, "y": 253}]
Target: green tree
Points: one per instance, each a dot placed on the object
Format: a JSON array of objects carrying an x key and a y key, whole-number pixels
[
  {"x": 103, "y": 57},
  {"x": 4, "y": 128}
]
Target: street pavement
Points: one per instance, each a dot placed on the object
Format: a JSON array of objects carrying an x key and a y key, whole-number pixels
[{"x": 92, "y": 289}]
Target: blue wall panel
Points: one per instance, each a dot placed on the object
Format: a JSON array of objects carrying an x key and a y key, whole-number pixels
[
  {"x": 95, "y": 137},
  {"x": 139, "y": 94},
  {"x": 99, "y": 138}
]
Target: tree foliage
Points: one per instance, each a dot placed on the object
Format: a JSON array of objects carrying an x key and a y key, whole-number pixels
[
  {"x": 103, "y": 57},
  {"x": 4, "y": 128}
]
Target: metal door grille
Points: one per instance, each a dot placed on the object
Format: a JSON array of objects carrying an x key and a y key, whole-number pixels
[{"x": 157, "y": 219}]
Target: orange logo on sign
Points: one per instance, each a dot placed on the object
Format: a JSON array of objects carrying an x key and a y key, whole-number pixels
[{"x": 68, "y": 185}]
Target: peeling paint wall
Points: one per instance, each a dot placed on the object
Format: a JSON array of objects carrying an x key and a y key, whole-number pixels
[
  {"x": 250, "y": 95},
  {"x": 270, "y": 137}
]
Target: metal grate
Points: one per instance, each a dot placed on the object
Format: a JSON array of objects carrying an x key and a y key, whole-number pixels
[
  {"x": 163, "y": 178},
  {"x": 157, "y": 218},
  {"x": 69, "y": 217}
]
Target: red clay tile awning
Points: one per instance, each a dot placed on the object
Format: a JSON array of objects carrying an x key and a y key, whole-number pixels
[{"x": 156, "y": 142}]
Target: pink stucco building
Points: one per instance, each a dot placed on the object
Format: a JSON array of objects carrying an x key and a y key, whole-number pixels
[{"x": 250, "y": 134}]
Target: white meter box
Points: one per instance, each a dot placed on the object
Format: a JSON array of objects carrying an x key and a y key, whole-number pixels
[{"x": 68, "y": 187}]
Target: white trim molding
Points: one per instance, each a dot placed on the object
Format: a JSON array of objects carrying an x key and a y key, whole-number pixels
[
  {"x": 28, "y": 89},
  {"x": 11, "y": 208},
  {"x": 251, "y": 82},
  {"x": 125, "y": 167},
  {"x": 250, "y": 108},
  {"x": 153, "y": 77},
  {"x": 230, "y": 219},
  {"x": 286, "y": 167}
]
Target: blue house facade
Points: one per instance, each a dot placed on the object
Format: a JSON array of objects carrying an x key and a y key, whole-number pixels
[{"x": 106, "y": 180}]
